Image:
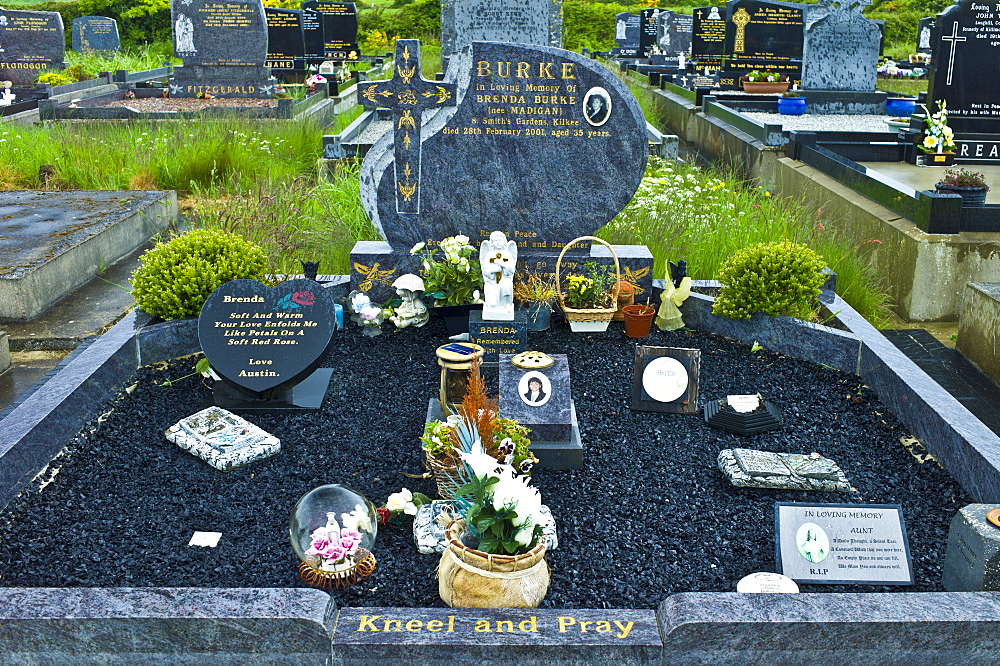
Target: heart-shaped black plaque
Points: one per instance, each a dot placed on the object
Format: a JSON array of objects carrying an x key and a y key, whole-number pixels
[{"x": 261, "y": 340}]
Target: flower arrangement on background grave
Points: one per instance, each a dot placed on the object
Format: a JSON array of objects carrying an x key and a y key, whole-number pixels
[
  {"x": 964, "y": 178},
  {"x": 590, "y": 290},
  {"x": 766, "y": 76},
  {"x": 313, "y": 80},
  {"x": 457, "y": 278},
  {"x": 938, "y": 137}
]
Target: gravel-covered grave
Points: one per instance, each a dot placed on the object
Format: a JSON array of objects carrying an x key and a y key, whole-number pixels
[{"x": 649, "y": 516}]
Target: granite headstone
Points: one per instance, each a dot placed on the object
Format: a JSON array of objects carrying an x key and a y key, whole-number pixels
[
  {"x": 30, "y": 42},
  {"x": 840, "y": 49},
  {"x": 536, "y": 22},
  {"x": 627, "y": 30},
  {"x": 538, "y": 133},
  {"x": 964, "y": 68},
  {"x": 762, "y": 34},
  {"x": 649, "y": 29},
  {"x": 263, "y": 341},
  {"x": 708, "y": 37},
  {"x": 674, "y": 34},
  {"x": 285, "y": 45},
  {"x": 542, "y": 400},
  {"x": 224, "y": 48},
  {"x": 925, "y": 29},
  {"x": 972, "y": 558},
  {"x": 96, "y": 34},
  {"x": 312, "y": 30}
]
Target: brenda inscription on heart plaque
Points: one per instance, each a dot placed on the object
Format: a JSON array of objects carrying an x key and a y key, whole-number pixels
[{"x": 263, "y": 341}]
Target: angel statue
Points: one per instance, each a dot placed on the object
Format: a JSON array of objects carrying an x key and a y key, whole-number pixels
[
  {"x": 677, "y": 291},
  {"x": 497, "y": 257}
]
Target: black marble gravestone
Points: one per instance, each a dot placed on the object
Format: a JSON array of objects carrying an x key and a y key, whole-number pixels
[
  {"x": 340, "y": 30},
  {"x": 517, "y": 21},
  {"x": 674, "y": 34},
  {"x": 762, "y": 35},
  {"x": 649, "y": 29},
  {"x": 312, "y": 31},
  {"x": 285, "y": 45},
  {"x": 96, "y": 34},
  {"x": 30, "y": 42},
  {"x": 708, "y": 36},
  {"x": 224, "y": 47},
  {"x": 267, "y": 343},
  {"x": 925, "y": 30},
  {"x": 964, "y": 73},
  {"x": 627, "y": 30}
]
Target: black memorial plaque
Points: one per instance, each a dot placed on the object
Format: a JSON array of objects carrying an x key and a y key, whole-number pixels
[
  {"x": 312, "y": 29},
  {"x": 263, "y": 341},
  {"x": 340, "y": 30},
  {"x": 708, "y": 37},
  {"x": 627, "y": 30},
  {"x": 29, "y": 42},
  {"x": 763, "y": 36},
  {"x": 284, "y": 37},
  {"x": 666, "y": 379}
]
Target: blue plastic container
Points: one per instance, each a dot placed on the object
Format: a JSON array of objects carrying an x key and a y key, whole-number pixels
[
  {"x": 900, "y": 107},
  {"x": 791, "y": 106}
]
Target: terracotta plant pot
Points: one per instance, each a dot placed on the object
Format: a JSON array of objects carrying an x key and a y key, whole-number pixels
[
  {"x": 764, "y": 87},
  {"x": 626, "y": 296},
  {"x": 638, "y": 320}
]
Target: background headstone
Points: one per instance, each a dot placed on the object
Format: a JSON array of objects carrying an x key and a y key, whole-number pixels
[
  {"x": 285, "y": 43},
  {"x": 761, "y": 35},
  {"x": 708, "y": 36},
  {"x": 841, "y": 49},
  {"x": 97, "y": 34},
  {"x": 30, "y": 42},
  {"x": 964, "y": 70},
  {"x": 674, "y": 34},
  {"x": 627, "y": 30},
  {"x": 649, "y": 29},
  {"x": 925, "y": 32},
  {"x": 312, "y": 30},
  {"x": 340, "y": 30},
  {"x": 224, "y": 47},
  {"x": 536, "y": 22}
]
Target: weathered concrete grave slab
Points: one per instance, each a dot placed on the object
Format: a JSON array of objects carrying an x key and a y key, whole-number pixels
[{"x": 53, "y": 242}]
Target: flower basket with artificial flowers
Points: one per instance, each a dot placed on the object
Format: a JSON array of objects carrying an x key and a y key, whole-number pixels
[
  {"x": 970, "y": 185},
  {"x": 366, "y": 314},
  {"x": 588, "y": 303},
  {"x": 938, "y": 137}
]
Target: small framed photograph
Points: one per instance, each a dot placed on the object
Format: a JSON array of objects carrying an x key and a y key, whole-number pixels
[
  {"x": 534, "y": 388},
  {"x": 666, "y": 380}
]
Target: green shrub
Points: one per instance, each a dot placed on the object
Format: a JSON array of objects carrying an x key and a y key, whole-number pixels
[
  {"x": 175, "y": 278},
  {"x": 775, "y": 278},
  {"x": 54, "y": 78}
]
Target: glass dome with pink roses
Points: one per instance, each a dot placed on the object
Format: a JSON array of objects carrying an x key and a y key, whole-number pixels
[{"x": 332, "y": 531}]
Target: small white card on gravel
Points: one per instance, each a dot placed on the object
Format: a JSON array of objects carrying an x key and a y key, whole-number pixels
[{"x": 207, "y": 539}]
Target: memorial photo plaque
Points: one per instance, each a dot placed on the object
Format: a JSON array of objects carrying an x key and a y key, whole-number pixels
[
  {"x": 666, "y": 380},
  {"x": 842, "y": 543}
]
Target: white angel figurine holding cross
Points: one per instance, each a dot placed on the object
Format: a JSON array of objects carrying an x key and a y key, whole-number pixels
[{"x": 498, "y": 257}]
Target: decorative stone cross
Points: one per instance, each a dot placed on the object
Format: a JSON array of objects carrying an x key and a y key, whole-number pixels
[
  {"x": 953, "y": 38},
  {"x": 408, "y": 95},
  {"x": 741, "y": 18}
]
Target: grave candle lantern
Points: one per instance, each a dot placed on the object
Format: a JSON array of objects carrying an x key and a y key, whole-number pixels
[
  {"x": 455, "y": 360},
  {"x": 332, "y": 530}
]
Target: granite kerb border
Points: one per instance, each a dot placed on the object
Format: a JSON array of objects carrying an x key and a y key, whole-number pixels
[{"x": 729, "y": 626}]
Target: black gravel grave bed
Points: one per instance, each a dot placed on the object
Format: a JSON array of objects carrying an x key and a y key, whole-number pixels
[{"x": 648, "y": 517}]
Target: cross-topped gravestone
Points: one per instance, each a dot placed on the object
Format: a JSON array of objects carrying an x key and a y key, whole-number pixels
[
  {"x": 763, "y": 35},
  {"x": 965, "y": 67},
  {"x": 540, "y": 143},
  {"x": 708, "y": 36},
  {"x": 408, "y": 94}
]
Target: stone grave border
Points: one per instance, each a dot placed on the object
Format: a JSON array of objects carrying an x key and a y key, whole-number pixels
[
  {"x": 254, "y": 625},
  {"x": 101, "y": 85}
]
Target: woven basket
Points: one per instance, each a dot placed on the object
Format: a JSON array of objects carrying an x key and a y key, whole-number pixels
[
  {"x": 445, "y": 476},
  {"x": 590, "y": 314}
]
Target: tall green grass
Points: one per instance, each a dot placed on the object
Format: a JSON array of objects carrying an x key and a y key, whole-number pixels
[
  {"x": 682, "y": 211},
  {"x": 181, "y": 155}
]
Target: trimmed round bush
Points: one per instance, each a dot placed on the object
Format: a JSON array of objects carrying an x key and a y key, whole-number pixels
[
  {"x": 176, "y": 278},
  {"x": 774, "y": 278}
]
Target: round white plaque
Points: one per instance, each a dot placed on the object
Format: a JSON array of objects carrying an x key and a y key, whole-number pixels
[
  {"x": 664, "y": 379},
  {"x": 766, "y": 582}
]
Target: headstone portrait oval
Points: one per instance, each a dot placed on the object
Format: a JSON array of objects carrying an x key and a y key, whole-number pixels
[
  {"x": 263, "y": 340},
  {"x": 665, "y": 379}
]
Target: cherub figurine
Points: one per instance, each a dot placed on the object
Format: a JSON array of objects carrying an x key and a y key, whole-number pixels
[
  {"x": 412, "y": 311},
  {"x": 498, "y": 257}
]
